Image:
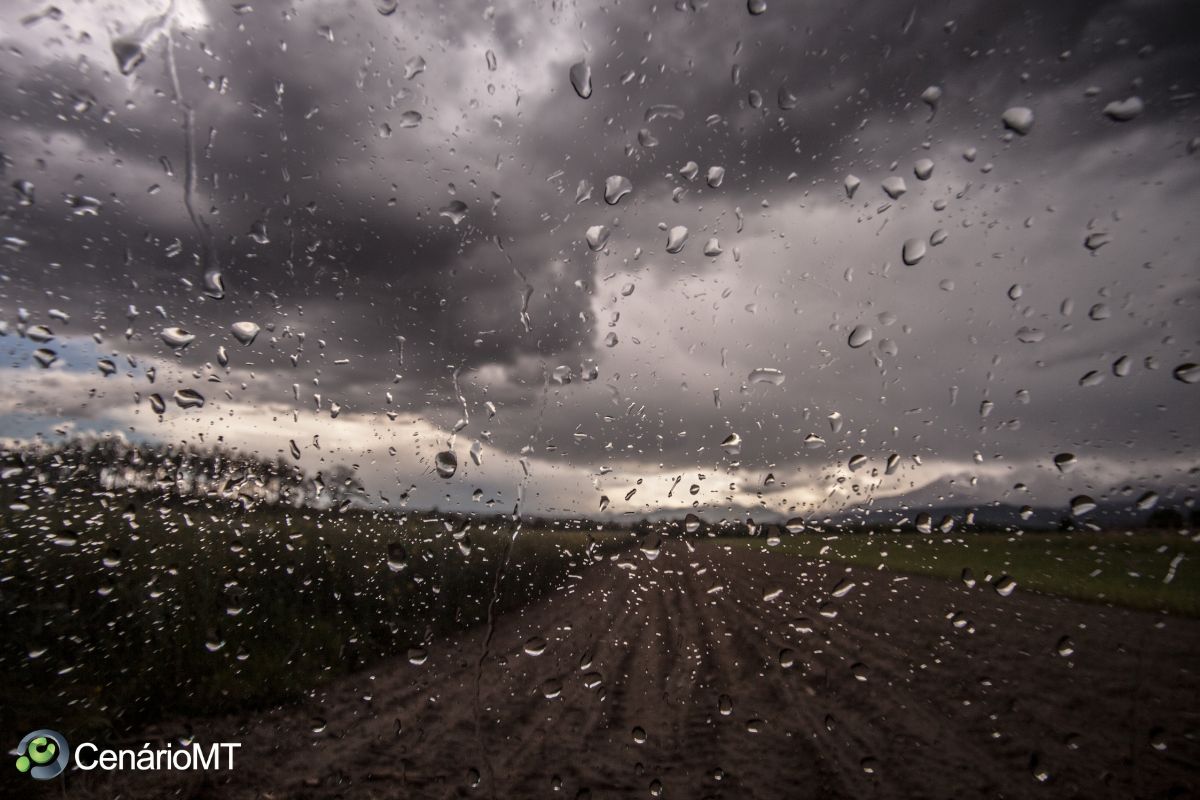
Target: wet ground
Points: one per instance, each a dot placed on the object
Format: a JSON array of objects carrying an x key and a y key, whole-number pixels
[{"x": 715, "y": 673}]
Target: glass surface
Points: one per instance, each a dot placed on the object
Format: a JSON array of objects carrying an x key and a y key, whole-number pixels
[{"x": 694, "y": 399}]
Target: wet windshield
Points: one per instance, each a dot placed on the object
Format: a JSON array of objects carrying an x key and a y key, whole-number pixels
[{"x": 700, "y": 399}]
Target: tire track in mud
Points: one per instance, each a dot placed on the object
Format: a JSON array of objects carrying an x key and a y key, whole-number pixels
[{"x": 943, "y": 712}]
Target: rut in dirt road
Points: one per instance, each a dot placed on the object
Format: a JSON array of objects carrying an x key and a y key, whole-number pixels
[{"x": 720, "y": 672}]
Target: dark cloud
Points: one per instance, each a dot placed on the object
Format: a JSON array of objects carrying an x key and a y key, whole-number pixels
[{"x": 300, "y": 134}]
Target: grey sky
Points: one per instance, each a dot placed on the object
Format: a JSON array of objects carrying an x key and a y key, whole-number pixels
[{"x": 300, "y": 124}]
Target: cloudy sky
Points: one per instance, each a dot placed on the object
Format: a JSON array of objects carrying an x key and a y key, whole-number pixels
[{"x": 401, "y": 199}]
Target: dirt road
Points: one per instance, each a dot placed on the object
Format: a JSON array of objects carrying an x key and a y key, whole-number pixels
[{"x": 673, "y": 676}]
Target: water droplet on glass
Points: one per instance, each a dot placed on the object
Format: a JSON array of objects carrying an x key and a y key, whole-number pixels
[
  {"x": 24, "y": 190},
  {"x": 769, "y": 375},
  {"x": 616, "y": 187},
  {"x": 597, "y": 236},
  {"x": 676, "y": 238},
  {"x": 535, "y": 646},
  {"x": 188, "y": 398},
  {"x": 129, "y": 53},
  {"x": 715, "y": 177},
  {"x": 397, "y": 557},
  {"x": 1124, "y": 110},
  {"x": 663, "y": 111},
  {"x": 923, "y": 168},
  {"x": 732, "y": 444},
  {"x": 651, "y": 544},
  {"x": 244, "y": 332},
  {"x": 214, "y": 284},
  {"x": 176, "y": 338},
  {"x": 894, "y": 186},
  {"x": 1018, "y": 119},
  {"x": 1187, "y": 373},
  {"x": 860, "y": 336},
  {"x": 913, "y": 251},
  {"x": 1065, "y": 462},
  {"x": 446, "y": 463},
  {"x": 930, "y": 97},
  {"x": 39, "y": 333},
  {"x": 1030, "y": 335},
  {"x": 581, "y": 79},
  {"x": 691, "y": 523},
  {"x": 1082, "y": 504},
  {"x": 852, "y": 183},
  {"x": 258, "y": 232},
  {"x": 455, "y": 211},
  {"x": 414, "y": 66}
]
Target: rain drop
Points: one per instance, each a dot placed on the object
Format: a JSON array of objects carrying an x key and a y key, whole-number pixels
[
  {"x": 616, "y": 187},
  {"x": 581, "y": 79},
  {"x": 1018, "y": 119},
  {"x": 1124, "y": 110},
  {"x": 244, "y": 332},
  {"x": 597, "y": 236},
  {"x": 860, "y": 336},
  {"x": 913, "y": 251},
  {"x": 446, "y": 464},
  {"x": 894, "y": 186},
  {"x": 676, "y": 238}
]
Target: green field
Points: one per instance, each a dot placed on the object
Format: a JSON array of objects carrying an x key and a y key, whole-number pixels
[
  {"x": 125, "y": 608},
  {"x": 1125, "y": 569}
]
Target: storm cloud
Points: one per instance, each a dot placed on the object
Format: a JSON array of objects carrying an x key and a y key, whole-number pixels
[{"x": 401, "y": 201}]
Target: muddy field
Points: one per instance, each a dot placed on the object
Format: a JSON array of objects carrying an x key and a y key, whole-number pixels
[{"x": 711, "y": 673}]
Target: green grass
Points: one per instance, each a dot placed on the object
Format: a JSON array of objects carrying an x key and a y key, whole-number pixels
[
  {"x": 1125, "y": 569},
  {"x": 122, "y": 608}
]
